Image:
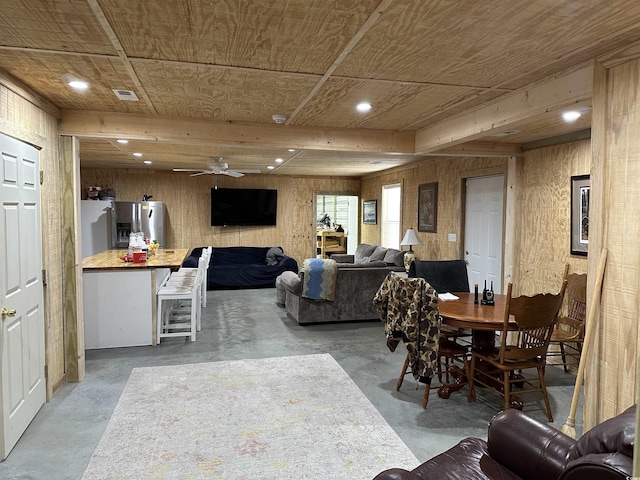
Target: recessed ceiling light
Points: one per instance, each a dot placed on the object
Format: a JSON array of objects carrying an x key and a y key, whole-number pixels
[
  {"x": 148, "y": 162},
  {"x": 571, "y": 116},
  {"x": 271, "y": 167},
  {"x": 292, "y": 149},
  {"x": 363, "y": 107},
  {"x": 279, "y": 160},
  {"x": 137, "y": 154},
  {"x": 122, "y": 140},
  {"x": 78, "y": 84}
]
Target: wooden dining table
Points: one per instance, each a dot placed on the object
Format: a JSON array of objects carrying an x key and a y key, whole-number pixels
[{"x": 482, "y": 320}]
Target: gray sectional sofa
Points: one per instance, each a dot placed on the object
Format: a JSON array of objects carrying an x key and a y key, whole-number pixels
[{"x": 357, "y": 282}]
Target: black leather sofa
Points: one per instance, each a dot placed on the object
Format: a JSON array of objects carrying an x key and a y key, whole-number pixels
[
  {"x": 521, "y": 448},
  {"x": 243, "y": 267}
]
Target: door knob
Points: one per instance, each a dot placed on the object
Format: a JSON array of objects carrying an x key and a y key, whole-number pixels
[{"x": 7, "y": 313}]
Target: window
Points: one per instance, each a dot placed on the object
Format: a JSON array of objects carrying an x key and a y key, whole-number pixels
[
  {"x": 390, "y": 216},
  {"x": 342, "y": 210}
]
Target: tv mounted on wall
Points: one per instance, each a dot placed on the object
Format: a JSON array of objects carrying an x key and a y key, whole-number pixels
[{"x": 243, "y": 206}]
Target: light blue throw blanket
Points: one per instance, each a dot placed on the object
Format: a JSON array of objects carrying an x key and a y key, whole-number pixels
[{"x": 319, "y": 278}]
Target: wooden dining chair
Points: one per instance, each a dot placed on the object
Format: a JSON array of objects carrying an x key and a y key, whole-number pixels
[
  {"x": 409, "y": 309},
  {"x": 568, "y": 335},
  {"x": 523, "y": 345},
  {"x": 447, "y": 276}
]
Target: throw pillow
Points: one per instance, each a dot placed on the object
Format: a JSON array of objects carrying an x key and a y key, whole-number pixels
[
  {"x": 274, "y": 254},
  {"x": 362, "y": 260},
  {"x": 363, "y": 250},
  {"x": 378, "y": 254},
  {"x": 394, "y": 257}
]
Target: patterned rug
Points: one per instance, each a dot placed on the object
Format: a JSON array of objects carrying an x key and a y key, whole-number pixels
[{"x": 298, "y": 417}]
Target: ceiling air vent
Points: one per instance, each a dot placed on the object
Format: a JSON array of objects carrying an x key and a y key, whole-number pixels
[
  {"x": 126, "y": 95},
  {"x": 505, "y": 133}
]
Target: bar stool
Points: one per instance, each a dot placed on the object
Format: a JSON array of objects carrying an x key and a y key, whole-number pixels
[{"x": 172, "y": 322}]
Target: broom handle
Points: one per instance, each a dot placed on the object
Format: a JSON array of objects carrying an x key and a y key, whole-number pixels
[{"x": 595, "y": 299}]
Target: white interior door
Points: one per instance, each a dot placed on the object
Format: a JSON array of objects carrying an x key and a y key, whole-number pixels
[
  {"x": 483, "y": 231},
  {"x": 22, "y": 382}
]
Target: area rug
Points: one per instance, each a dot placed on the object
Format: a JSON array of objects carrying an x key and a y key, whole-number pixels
[{"x": 298, "y": 417}]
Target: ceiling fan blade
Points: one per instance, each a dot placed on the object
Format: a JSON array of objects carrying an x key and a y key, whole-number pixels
[
  {"x": 199, "y": 173},
  {"x": 187, "y": 170},
  {"x": 231, "y": 173},
  {"x": 248, "y": 170}
]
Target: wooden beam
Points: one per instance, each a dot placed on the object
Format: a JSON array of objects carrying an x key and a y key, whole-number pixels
[
  {"x": 72, "y": 263},
  {"x": 480, "y": 149},
  {"x": 85, "y": 124},
  {"x": 19, "y": 88},
  {"x": 620, "y": 55},
  {"x": 373, "y": 18},
  {"x": 106, "y": 26},
  {"x": 560, "y": 91}
]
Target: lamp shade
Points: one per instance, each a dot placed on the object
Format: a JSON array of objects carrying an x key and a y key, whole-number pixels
[{"x": 410, "y": 238}]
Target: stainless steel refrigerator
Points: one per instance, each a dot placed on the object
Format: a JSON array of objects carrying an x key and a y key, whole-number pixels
[{"x": 130, "y": 217}]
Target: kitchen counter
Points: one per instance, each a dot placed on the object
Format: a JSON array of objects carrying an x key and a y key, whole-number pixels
[
  {"x": 120, "y": 297},
  {"x": 110, "y": 259}
]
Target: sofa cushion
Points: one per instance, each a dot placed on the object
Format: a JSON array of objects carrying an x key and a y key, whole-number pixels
[
  {"x": 290, "y": 281},
  {"x": 614, "y": 435},
  {"x": 394, "y": 257},
  {"x": 469, "y": 456},
  {"x": 364, "y": 250},
  {"x": 239, "y": 256},
  {"x": 378, "y": 254},
  {"x": 274, "y": 254},
  {"x": 378, "y": 263},
  {"x": 190, "y": 262}
]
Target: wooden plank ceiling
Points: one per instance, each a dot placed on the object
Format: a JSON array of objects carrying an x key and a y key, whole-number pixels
[{"x": 232, "y": 64}]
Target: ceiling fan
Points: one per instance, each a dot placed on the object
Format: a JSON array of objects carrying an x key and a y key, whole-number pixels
[{"x": 217, "y": 167}]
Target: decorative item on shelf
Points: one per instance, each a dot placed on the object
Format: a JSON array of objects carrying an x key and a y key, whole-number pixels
[
  {"x": 324, "y": 221},
  {"x": 93, "y": 192},
  {"x": 338, "y": 228},
  {"x": 411, "y": 239},
  {"x": 487, "y": 295}
]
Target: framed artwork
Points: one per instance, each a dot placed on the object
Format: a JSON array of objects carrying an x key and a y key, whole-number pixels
[
  {"x": 580, "y": 194},
  {"x": 428, "y": 207},
  {"x": 370, "y": 212}
]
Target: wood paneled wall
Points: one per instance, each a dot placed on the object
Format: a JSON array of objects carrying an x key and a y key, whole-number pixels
[
  {"x": 611, "y": 374},
  {"x": 449, "y": 172},
  {"x": 187, "y": 201},
  {"x": 544, "y": 211},
  {"x": 22, "y": 119},
  {"x": 543, "y": 224}
]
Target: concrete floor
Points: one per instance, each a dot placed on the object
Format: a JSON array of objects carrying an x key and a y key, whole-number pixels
[{"x": 240, "y": 324}]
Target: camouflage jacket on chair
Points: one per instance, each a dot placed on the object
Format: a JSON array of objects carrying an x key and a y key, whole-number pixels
[{"x": 409, "y": 309}]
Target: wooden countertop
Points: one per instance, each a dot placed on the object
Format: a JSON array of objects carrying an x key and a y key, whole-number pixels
[{"x": 110, "y": 259}]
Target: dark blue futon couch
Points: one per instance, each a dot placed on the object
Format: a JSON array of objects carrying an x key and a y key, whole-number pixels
[{"x": 243, "y": 267}]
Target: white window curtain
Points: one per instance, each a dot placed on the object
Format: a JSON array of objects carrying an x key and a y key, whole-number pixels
[{"x": 390, "y": 216}]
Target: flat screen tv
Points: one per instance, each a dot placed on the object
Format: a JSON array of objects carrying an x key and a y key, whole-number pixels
[{"x": 243, "y": 206}]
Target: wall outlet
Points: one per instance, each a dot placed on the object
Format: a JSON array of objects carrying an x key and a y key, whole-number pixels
[{"x": 452, "y": 237}]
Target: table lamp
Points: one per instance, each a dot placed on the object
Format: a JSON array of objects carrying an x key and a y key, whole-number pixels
[{"x": 411, "y": 239}]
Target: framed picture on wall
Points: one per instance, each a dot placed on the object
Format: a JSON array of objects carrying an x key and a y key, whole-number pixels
[
  {"x": 428, "y": 207},
  {"x": 370, "y": 212},
  {"x": 580, "y": 196}
]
